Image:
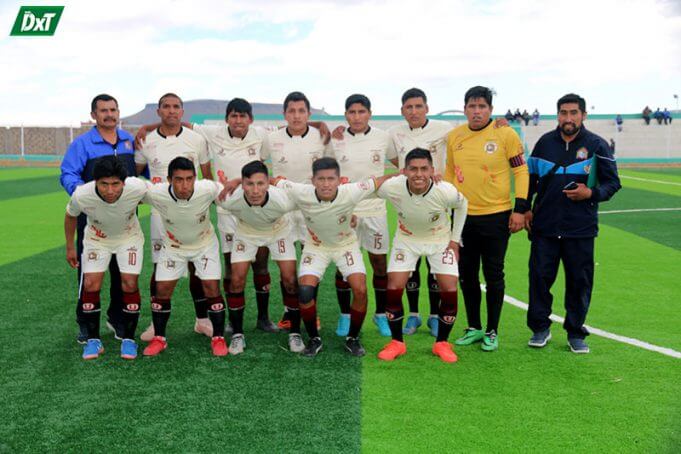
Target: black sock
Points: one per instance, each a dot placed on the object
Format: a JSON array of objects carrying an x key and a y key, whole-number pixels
[
  {"x": 216, "y": 313},
  {"x": 200, "y": 303},
  {"x": 343, "y": 293},
  {"x": 380, "y": 284},
  {"x": 309, "y": 316},
  {"x": 447, "y": 315},
  {"x": 395, "y": 313},
  {"x": 261, "y": 283},
  {"x": 413, "y": 289},
  {"x": 131, "y": 313},
  {"x": 356, "y": 319},
  {"x": 433, "y": 294},
  {"x": 91, "y": 308},
  {"x": 160, "y": 313},
  {"x": 236, "y": 303}
]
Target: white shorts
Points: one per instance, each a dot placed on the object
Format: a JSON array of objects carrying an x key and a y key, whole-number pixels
[
  {"x": 281, "y": 248},
  {"x": 226, "y": 229},
  {"x": 404, "y": 256},
  {"x": 129, "y": 256},
  {"x": 373, "y": 234},
  {"x": 156, "y": 232},
  {"x": 298, "y": 226},
  {"x": 348, "y": 260},
  {"x": 173, "y": 264}
]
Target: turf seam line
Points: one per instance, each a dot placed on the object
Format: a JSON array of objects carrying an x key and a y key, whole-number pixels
[
  {"x": 599, "y": 332},
  {"x": 648, "y": 180},
  {"x": 638, "y": 210}
]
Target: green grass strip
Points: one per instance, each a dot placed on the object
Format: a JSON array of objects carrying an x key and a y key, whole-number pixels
[{"x": 13, "y": 173}]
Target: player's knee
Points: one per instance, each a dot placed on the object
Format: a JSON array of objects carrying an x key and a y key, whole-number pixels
[
  {"x": 290, "y": 284},
  {"x": 449, "y": 286},
  {"x": 91, "y": 284},
  {"x": 211, "y": 289},
  {"x": 163, "y": 290},
  {"x": 237, "y": 283},
  {"x": 359, "y": 292},
  {"x": 129, "y": 285},
  {"x": 306, "y": 294}
]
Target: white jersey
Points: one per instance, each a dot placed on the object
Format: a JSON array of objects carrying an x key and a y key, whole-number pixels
[
  {"x": 362, "y": 156},
  {"x": 264, "y": 221},
  {"x": 328, "y": 223},
  {"x": 424, "y": 218},
  {"x": 292, "y": 156},
  {"x": 432, "y": 137},
  {"x": 109, "y": 224},
  {"x": 158, "y": 150},
  {"x": 186, "y": 222}
]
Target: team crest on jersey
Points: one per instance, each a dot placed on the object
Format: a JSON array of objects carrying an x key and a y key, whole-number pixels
[
  {"x": 128, "y": 145},
  {"x": 459, "y": 147},
  {"x": 342, "y": 219},
  {"x": 240, "y": 246},
  {"x": 435, "y": 217},
  {"x": 307, "y": 259},
  {"x": 587, "y": 169},
  {"x": 375, "y": 158},
  {"x": 582, "y": 154},
  {"x": 157, "y": 247},
  {"x": 491, "y": 146},
  {"x": 229, "y": 237},
  {"x": 92, "y": 256},
  {"x": 399, "y": 257},
  {"x": 251, "y": 151},
  {"x": 170, "y": 264}
]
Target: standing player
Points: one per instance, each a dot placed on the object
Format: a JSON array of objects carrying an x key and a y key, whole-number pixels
[
  {"x": 361, "y": 154},
  {"x": 424, "y": 229},
  {"x": 110, "y": 204},
  {"x": 165, "y": 143},
  {"x": 261, "y": 212},
  {"x": 183, "y": 204},
  {"x": 327, "y": 208},
  {"x": 480, "y": 161}
]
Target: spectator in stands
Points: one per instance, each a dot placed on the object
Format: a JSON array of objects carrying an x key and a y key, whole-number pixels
[
  {"x": 612, "y": 146},
  {"x": 517, "y": 116},
  {"x": 667, "y": 116},
  {"x": 526, "y": 117},
  {"x": 646, "y": 114},
  {"x": 509, "y": 116},
  {"x": 535, "y": 117},
  {"x": 659, "y": 116},
  {"x": 618, "y": 122}
]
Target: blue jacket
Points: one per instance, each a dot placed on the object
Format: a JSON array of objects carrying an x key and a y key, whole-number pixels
[
  {"x": 84, "y": 152},
  {"x": 553, "y": 164}
]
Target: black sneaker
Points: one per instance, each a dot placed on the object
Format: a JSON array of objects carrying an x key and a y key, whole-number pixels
[
  {"x": 265, "y": 324},
  {"x": 81, "y": 338},
  {"x": 540, "y": 339},
  {"x": 314, "y": 346},
  {"x": 353, "y": 345},
  {"x": 578, "y": 345}
]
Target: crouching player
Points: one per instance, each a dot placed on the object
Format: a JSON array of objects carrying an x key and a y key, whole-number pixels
[
  {"x": 261, "y": 212},
  {"x": 327, "y": 208},
  {"x": 110, "y": 203},
  {"x": 424, "y": 229},
  {"x": 183, "y": 204}
]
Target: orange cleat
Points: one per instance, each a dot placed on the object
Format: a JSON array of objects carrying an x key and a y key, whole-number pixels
[
  {"x": 219, "y": 346},
  {"x": 284, "y": 325},
  {"x": 391, "y": 351},
  {"x": 156, "y": 346},
  {"x": 445, "y": 352},
  {"x": 319, "y": 324}
]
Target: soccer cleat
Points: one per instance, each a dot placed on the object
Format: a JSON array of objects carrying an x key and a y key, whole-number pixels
[
  {"x": 156, "y": 346},
  {"x": 81, "y": 338},
  {"x": 490, "y": 342},
  {"x": 314, "y": 346},
  {"x": 353, "y": 345},
  {"x": 93, "y": 349},
  {"x": 540, "y": 339},
  {"x": 284, "y": 324},
  {"x": 470, "y": 336},
  {"x": 148, "y": 333},
  {"x": 203, "y": 326},
  {"x": 219, "y": 346},
  {"x": 578, "y": 345},
  {"x": 295, "y": 343},
  {"x": 413, "y": 323},
  {"x": 381, "y": 321},
  {"x": 391, "y": 351},
  {"x": 319, "y": 324},
  {"x": 237, "y": 344},
  {"x": 433, "y": 324},
  {"x": 343, "y": 327},
  {"x": 116, "y": 328},
  {"x": 266, "y": 325},
  {"x": 444, "y": 350},
  {"x": 128, "y": 349}
]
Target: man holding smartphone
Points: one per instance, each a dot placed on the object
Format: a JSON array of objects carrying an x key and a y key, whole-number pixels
[{"x": 571, "y": 171}]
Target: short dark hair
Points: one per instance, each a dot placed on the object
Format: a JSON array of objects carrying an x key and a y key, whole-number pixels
[
  {"x": 180, "y": 163},
  {"x": 358, "y": 99},
  {"x": 325, "y": 163},
  {"x": 478, "y": 92},
  {"x": 252, "y": 168},
  {"x": 169, "y": 95},
  {"x": 239, "y": 105},
  {"x": 102, "y": 97},
  {"x": 109, "y": 166},
  {"x": 570, "y": 98},
  {"x": 296, "y": 96},
  {"x": 418, "y": 153},
  {"x": 414, "y": 93}
]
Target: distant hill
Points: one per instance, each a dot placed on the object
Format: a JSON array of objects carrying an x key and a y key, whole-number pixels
[{"x": 204, "y": 107}]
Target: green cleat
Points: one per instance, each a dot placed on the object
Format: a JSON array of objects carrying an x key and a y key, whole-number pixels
[
  {"x": 490, "y": 341},
  {"x": 470, "y": 336}
]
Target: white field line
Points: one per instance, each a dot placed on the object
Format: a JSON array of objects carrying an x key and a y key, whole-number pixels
[
  {"x": 599, "y": 332},
  {"x": 648, "y": 180},
  {"x": 638, "y": 210}
]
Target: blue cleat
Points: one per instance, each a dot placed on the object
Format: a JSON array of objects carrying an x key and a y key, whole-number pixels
[
  {"x": 93, "y": 349},
  {"x": 343, "y": 327},
  {"x": 433, "y": 324},
  {"x": 381, "y": 321},
  {"x": 128, "y": 349},
  {"x": 413, "y": 323}
]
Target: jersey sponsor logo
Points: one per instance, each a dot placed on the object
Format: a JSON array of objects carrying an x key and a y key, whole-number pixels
[
  {"x": 491, "y": 146},
  {"x": 173, "y": 238},
  {"x": 98, "y": 233},
  {"x": 37, "y": 21},
  {"x": 582, "y": 154},
  {"x": 404, "y": 230},
  {"x": 459, "y": 174},
  {"x": 156, "y": 180}
]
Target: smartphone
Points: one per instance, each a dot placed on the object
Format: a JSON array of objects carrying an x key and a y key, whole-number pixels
[{"x": 570, "y": 186}]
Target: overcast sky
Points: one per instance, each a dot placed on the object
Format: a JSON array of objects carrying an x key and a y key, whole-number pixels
[{"x": 619, "y": 54}]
